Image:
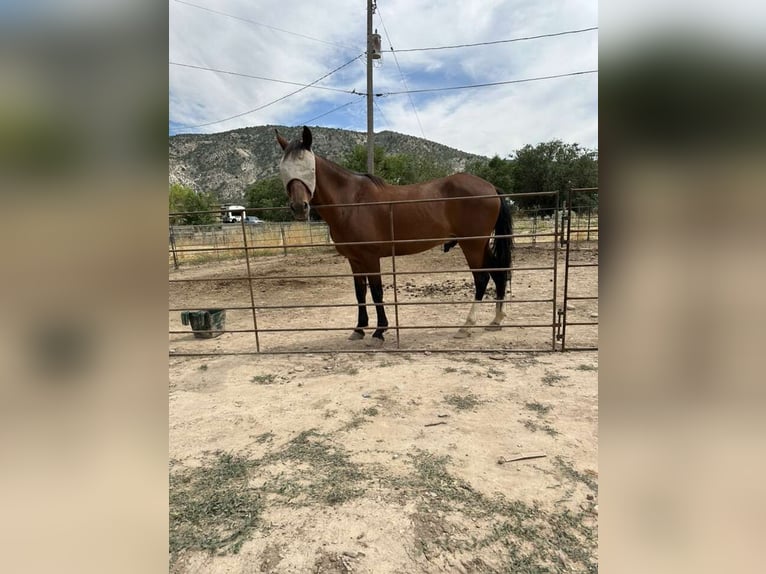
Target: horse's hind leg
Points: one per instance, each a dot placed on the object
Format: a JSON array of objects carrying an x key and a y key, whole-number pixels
[
  {"x": 500, "y": 278},
  {"x": 480, "y": 279}
]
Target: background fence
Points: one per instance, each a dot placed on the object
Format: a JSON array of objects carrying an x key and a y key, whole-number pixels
[{"x": 190, "y": 244}]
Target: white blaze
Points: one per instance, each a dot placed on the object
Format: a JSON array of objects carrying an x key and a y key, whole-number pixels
[{"x": 300, "y": 166}]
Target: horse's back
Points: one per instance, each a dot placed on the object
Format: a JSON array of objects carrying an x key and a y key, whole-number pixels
[{"x": 466, "y": 184}]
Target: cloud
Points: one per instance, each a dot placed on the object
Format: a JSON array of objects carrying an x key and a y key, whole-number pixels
[{"x": 487, "y": 121}]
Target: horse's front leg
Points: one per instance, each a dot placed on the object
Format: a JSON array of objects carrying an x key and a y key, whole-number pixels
[
  {"x": 376, "y": 287},
  {"x": 360, "y": 286}
]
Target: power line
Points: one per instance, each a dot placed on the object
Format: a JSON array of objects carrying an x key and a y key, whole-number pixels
[
  {"x": 306, "y": 122},
  {"x": 537, "y": 79},
  {"x": 262, "y": 25},
  {"x": 380, "y": 111},
  {"x": 497, "y": 41},
  {"x": 275, "y": 101},
  {"x": 242, "y": 75},
  {"x": 404, "y": 81}
]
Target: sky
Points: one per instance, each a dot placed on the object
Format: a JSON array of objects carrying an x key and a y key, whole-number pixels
[{"x": 300, "y": 42}]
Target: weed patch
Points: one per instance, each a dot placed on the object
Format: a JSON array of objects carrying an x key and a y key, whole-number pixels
[
  {"x": 551, "y": 379},
  {"x": 534, "y": 427},
  {"x": 211, "y": 507},
  {"x": 539, "y": 408},
  {"x": 525, "y": 537},
  {"x": 265, "y": 437},
  {"x": 462, "y": 402},
  {"x": 573, "y": 474},
  {"x": 331, "y": 478},
  {"x": 586, "y": 367}
]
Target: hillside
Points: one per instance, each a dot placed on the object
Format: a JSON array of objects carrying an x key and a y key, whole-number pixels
[{"x": 226, "y": 163}]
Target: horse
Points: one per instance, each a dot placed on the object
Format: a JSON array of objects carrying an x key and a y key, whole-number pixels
[{"x": 311, "y": 181}]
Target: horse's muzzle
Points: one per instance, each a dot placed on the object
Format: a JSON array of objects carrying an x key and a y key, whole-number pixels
[{"x": 300, "y": 210}]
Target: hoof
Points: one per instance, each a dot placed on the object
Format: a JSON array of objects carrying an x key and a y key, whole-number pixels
[
  {"x": 493, "y": 327},
  {"x": 462, "y": 334},
  {"x": 376, "y": 342},
  {"x": 356, "y": 335}
]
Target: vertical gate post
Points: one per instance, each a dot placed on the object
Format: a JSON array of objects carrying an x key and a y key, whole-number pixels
[
  {"x": 554, "y": 298},
  {"x": 250, "y": 283},
  {"x": 563, "y": 335},
  {"x": 393, "y": 270}
]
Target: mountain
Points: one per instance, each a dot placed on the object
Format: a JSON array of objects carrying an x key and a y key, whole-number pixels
[{"x": 227, "y": 163}]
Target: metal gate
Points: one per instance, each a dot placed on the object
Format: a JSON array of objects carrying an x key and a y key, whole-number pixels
[{"x": 577, "y": 202}]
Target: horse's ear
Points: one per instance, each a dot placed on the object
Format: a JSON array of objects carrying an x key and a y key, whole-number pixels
[
  {"x": 307, "y": 138},
  {"x": 282, "y": 141}
]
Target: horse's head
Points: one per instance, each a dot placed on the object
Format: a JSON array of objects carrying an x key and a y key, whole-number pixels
[{"x": 298, "y": 172}]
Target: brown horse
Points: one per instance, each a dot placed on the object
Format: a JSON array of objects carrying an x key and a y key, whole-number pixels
[{"x": 311, "y": 181}]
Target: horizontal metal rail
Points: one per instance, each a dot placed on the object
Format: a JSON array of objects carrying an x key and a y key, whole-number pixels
[
  {"x": 352, "y": 275},
  {"x": 373, "y": 351},
  {"x": 581, "y": 349},
  {"x": 373, "y": 328},
  {"x": 368, "y": 203},
  {"x": 353, "y": 243},
  {"x": 333, "y": 305},
  {"x": 573, "y": 298}
]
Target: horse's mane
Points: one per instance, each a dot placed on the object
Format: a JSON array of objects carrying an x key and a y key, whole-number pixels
[{"x": 373, "y": 178}]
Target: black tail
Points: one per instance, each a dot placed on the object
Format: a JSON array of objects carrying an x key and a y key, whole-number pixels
[{"x": 502, "y": 246}]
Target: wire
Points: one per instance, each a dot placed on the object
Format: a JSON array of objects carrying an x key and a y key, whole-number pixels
[
  {"x": 540, "y": 78},
  {"x": 497, "y": 41},
  {"x": 273, "y": 102},
  {"x": 267, "y": 79},
  {"x": 263, "y": 25},
  {"x": 380, "y": 111},
  {"x": 404, "y": 81},
  {"x": 306, "y": 122}
]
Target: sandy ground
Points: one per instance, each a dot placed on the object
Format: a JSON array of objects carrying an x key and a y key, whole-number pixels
[{"x": 341, "y": 462}]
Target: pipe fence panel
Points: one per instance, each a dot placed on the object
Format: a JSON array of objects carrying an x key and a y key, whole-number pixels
[{"x": 284, "y": 288}]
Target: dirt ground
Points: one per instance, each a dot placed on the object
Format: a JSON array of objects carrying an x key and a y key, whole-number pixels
[{"x": 338, "y": 462}]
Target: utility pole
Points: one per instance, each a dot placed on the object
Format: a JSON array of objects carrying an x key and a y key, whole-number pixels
[{"x": 370, "y": 135}]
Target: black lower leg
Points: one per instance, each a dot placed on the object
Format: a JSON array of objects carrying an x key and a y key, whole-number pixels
[
  {"x": 500, "y": 278},
  {"x": 360, "y": 286},
  {"x": 376, "y": 288},
  {"x": 480, "y": 281}
]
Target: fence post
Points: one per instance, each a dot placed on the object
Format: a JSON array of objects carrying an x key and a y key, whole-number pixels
[
  {"x": 173, "y": 247},
  {"x": 215, "y": 245},
  {"x": 284, "y": 241},
  {"x": 250, "y": 283}
]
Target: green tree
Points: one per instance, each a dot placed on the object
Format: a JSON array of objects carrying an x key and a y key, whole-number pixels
[
  {"x": 554, "y": 166},
  {"x": 183, "y": 200},
  {"x": 268, "y": 193},
  {"x": 398, "y": 169},
  {"x": 356, "y": 159},
  {"x": 497, "y": 171}
]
